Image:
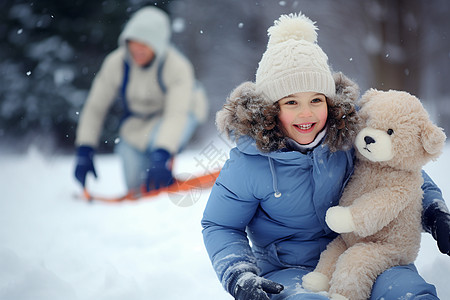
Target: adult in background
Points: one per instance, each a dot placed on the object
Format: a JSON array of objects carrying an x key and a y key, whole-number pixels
[{"x": 162, "y": 104}]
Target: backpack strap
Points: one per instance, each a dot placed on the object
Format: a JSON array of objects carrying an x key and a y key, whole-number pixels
[
  {"x": 123, "y": 89},
  {"x": 161, "y": 83}
]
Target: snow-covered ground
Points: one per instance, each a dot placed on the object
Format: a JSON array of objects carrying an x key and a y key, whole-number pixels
[{"x": 54, "y": 246}]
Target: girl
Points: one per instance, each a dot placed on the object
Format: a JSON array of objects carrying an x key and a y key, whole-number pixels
[{"x": 294, "y": 129}]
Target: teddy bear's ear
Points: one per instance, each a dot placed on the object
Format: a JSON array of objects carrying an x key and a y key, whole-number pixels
[
  {"x": 433, "y": 139},
  {"x": 368, "y": 95}
]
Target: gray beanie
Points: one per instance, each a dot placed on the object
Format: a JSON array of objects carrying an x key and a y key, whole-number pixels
[
  {"x": 151, "y": 26},
  {"x": 293, "y": 62}
]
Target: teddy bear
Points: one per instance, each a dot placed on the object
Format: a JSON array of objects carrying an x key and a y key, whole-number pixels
[{"x": 379, "y": 213}]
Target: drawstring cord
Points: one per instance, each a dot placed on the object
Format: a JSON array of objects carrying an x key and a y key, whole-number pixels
[{"x": 277, "y": 193}]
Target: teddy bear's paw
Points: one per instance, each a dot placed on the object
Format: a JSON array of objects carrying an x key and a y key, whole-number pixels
[
  {"x": 340, "y": 219},
  {"x": 315, "y": 282},
  {"x": 337, "y": 297}
]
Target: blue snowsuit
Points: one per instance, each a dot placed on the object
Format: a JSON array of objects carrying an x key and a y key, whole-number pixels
[{"x": 278, "y": 201}]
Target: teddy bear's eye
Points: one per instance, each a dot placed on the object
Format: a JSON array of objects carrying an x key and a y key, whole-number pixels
[{"x": 390, "y": 131}]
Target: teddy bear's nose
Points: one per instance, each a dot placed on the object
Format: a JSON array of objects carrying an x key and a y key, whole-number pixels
[{"x": 368, "y": 140}]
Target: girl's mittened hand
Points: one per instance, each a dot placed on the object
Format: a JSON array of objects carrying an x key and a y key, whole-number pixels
[
  {"x": 441, "y": 231},
  {"x": 252, "y": 287}
]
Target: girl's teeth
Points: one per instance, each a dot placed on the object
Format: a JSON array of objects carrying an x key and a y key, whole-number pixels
[{"x": 305, "y": 127}]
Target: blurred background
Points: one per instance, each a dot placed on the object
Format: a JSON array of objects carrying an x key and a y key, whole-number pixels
[{"x": 51, "y": 50}]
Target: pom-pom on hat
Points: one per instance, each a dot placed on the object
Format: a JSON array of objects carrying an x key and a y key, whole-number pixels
[{"x": 293, "y": 62}]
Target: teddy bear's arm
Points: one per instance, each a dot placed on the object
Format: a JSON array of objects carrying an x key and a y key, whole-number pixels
[{"x": 372, "y": 211}]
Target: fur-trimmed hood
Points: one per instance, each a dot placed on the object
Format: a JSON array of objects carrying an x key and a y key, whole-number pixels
[{"x": 247, "y": 113}]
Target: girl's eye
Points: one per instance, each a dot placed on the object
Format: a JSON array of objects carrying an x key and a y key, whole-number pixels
[
  {"x": 316, "y": 100},
  {"x": 291, "y": 102},
  {"x": 390, "y": 131}
]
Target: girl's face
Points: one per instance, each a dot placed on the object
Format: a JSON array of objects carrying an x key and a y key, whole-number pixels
[
  {"x": 141, "y": 53},
  {"x": 303, "y": 115}
]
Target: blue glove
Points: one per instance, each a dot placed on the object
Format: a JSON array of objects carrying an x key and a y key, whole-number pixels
[
  {"x": 159, "y": 174},
  {"x": 250, "y": 286},
  {"x": 437, "y": 222},
  {"x": 85, "y": 164}
]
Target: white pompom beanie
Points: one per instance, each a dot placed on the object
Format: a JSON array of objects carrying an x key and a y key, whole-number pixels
[{"x": 293, "y": 62}]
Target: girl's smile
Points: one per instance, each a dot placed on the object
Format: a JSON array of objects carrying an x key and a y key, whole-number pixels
[
  {"x": 305, "y": 128},
  {"x": 303, "y": 115}
]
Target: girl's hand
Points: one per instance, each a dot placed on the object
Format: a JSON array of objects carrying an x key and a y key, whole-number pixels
[
  {"x": 437, "y": 222},
  {"x": 249, "y": 286}
]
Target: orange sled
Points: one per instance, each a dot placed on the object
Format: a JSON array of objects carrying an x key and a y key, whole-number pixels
[{"x": 193, "y": 182}]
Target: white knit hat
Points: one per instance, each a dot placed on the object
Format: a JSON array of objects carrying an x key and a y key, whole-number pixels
[{"x": 293, "y": 62}]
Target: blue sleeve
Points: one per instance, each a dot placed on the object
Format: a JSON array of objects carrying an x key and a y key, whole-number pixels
[
  {"x": 431, "y": 192},
  {"x": 229, "y": 209},
  {"x": 432, "y": 198}
]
